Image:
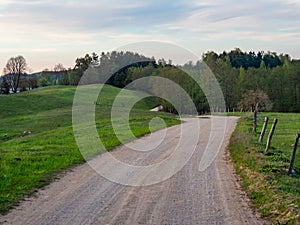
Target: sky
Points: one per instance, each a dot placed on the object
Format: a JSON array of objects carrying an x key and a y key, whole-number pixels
[{"x": 47, "y": 32}]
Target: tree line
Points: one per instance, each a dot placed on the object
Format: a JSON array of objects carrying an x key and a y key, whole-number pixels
[
  {"x": 16, "y": 79},
  {"x": 279, "y": 80},
  {"x": 239, "y": 59},
  {"x": 246, "y": 79}
]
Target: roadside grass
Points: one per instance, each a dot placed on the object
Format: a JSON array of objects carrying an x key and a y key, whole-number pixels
[
  {"x": 32, "y": 161},
  {"x": 273, "y": 193}
]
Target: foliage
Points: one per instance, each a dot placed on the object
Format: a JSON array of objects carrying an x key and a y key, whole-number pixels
[
  {"x": 279, "y": 80},
  {"x": 276, "y": 76},
  {"x": 44, "y": 81},
  {"x": 236, "y": 71},
  {"x": 238, "y": 58},
  {"x": 32, "y": 82},
  {"x": 4, "y": 86}
]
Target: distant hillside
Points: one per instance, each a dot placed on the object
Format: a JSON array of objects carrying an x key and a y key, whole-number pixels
[{"x": 55, "y": 97}]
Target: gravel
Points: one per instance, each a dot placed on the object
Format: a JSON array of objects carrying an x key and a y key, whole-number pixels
[{"x": 190, "y": 196}]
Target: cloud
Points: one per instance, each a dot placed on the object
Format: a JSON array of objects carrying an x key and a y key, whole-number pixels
[
  {"x": 95, "y": 15},
  {"x": 234, "y": 14},
  {"x": 233, "y": 20},
  {"x": 148, "y": 16},
  {"x": 75, "y": 24}
]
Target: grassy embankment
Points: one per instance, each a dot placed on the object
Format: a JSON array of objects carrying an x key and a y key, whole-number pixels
[
  {"x": 31, "y": 161},
  {"x": 273, "y": 193}
]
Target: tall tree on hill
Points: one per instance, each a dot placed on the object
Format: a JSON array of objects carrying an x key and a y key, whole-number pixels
[
  {"x": 14, "y": 69},
  {"x": 81, "y": 64}
]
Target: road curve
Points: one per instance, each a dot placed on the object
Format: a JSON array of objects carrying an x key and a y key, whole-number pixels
[{"x": 82, "y": 196}]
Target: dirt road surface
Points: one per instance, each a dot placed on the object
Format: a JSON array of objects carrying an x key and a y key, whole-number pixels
[{"x": 82, "y": 196}]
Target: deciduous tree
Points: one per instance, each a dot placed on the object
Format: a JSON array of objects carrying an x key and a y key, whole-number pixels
[
  {"x": 252, "y": 98},
  {"x": 14, "y": 69},
  {"x": 4, "y": 88},
  {"x": 59, "y": 68}
]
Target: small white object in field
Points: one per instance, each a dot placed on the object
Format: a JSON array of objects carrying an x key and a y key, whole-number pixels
[
  {"x": 157, "y": 109},
  {"x": 26, "y": 132}
]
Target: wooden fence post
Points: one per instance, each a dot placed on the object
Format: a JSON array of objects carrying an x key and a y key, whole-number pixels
[
  {"x": 291, "y": 169},
  {"x": 271, "y": 135},
  {"x": 255, "y": 122},
  {"x": 263, "y": 131}
]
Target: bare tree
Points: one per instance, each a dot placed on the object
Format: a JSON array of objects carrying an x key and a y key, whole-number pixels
[
  {"x": 59, "y": 67},
  {"x": 14, "y": 69},
  {"x": 252, "y": 99}
]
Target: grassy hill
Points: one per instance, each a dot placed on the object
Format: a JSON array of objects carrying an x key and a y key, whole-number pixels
[{"x": 31, "y": 161}]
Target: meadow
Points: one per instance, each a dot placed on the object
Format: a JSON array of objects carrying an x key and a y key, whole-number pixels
[
  {"x": 32, "y": 160},
  {"x": 273, "y": 193}
]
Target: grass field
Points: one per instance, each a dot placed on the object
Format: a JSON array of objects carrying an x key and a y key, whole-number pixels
[
  {"x": 274, "y": 194},
  {"x": 31, "y": 161}
]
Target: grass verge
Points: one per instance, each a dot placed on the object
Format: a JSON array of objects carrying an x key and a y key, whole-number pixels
[{"x": 273, "y": 193}]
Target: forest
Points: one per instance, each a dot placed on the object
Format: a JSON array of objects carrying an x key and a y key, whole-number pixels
[
  {"x": 277, "y": 76},
  {"x": 271, "y": 80}
]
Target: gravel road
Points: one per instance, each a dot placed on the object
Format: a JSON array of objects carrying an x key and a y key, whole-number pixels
[{"x": 191, "y": 196}]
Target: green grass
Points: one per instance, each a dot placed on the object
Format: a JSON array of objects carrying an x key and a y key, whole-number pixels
[
  {"x": 31, "y": 161},
  {"x": 273, "y": 193}
]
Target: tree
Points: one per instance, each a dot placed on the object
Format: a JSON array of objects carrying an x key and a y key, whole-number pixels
[
  {"x": 44, "y": 81},
  {"x": 83, "y": 63},
  {"x": 23, "y": 84},
  {"x": 252, "y": 98},
  {"x": 14, "y": 69},
  {"x": 59, "y": 68},
  {"x": 95, "y": 59},
  {"x": 32, "y": 82},
  {"x": 71, "y": 77},
  {"x": 4, "y": 89}
]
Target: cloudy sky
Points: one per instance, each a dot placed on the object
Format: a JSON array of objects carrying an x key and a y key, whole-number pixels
[{"x": 47, "y": 32}]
